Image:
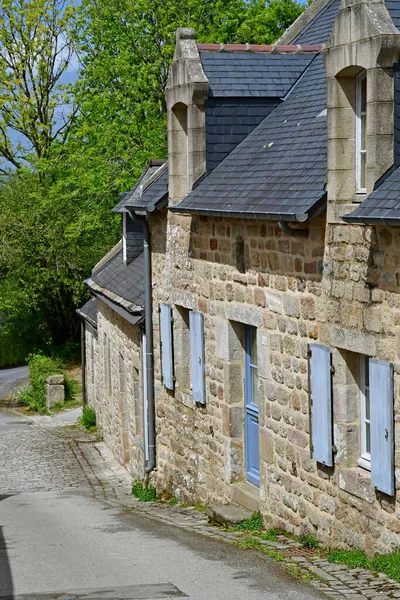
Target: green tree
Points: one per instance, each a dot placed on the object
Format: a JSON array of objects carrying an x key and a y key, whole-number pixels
[
  {"x": 35, "y": 51},
  {"x": 55, "y": 220},
  {"x": 125, "y": 48}
]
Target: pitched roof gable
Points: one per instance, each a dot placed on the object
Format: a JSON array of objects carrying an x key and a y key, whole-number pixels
[
  {"x": 279, "y": 170},
  {"x": 89, "y": 312},
  {"x": 121, "y": 283},
  {"x": 153, "y": 194},
  {"x": 144, "y": 181}
]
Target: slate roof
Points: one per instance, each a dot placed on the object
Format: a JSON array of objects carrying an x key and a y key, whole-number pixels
[
  {"x": 252, "y": 73},
  {"x": 121, "y": 283},
  {"x": 89, "y": 312},
  {"x": 279, "y": 170},
  {"x": 135, "y": 193},
  {"x": 393, "y": 7},
  {"x": 152, "y": 194},
  {"x": 318, "y": 30},
  {"x": 382, "y": 205}
]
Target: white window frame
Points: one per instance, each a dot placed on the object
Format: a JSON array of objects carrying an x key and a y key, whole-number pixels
[
  {"x": 365, "y": 459},
  {"x": 124, "y": 237},
  {"x": 359, "y": 116}
]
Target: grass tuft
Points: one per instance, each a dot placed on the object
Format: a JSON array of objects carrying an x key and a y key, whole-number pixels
[
  {"x": 354, "y": 559},
  {"x": 173, "y": 502},
  {"x": 307, "y": 540},
  {"x": 388, "y": 564},
  {"x": 88, "y": 418},
  {"x": 254, "y": 523},
  {"x": 144, "y": 493},
  {"x": 270, "y": 535}
]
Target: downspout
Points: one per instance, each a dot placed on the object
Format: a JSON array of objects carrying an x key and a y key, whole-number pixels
[
  {"x": 83, "y": 361},
  {"x": 148, "y": 403},
  {"x": 292, "y": 230}
]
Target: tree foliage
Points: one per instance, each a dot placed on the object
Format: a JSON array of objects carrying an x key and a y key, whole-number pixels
[
  {"x": 73, "y": 148},
  {"x": 35, "y": 51}
]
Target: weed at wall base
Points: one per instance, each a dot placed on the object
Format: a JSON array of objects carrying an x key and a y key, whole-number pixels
[
  {"x": 88, "y": 418},
  {"x": 144, "y": 493}
]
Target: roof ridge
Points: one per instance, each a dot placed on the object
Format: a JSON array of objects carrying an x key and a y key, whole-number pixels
[{"x": 267, "y": 49}]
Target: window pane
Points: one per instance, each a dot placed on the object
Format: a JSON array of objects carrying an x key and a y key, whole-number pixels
[
  {"x": 368, "y": 438},
  {"x": 363, "y": 131},
  {"x": 363, "y": 170},
  {"x": 254, "y": 386},
  {"x": 363, "y": 94},
  {"x": 253, "y": 345},
  {"x": 367, "y": 372}
]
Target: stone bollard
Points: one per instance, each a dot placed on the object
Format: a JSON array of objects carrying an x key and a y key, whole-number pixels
[{"x": 55, "y": 393}]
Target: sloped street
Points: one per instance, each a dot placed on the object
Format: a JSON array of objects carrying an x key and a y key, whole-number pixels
[{"x": 59, "y": 539}]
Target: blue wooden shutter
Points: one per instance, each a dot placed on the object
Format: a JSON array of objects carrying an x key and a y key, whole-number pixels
[
  {"x": 197, "y": 354},
  {"x": 382, "y": 443},
  {"x": 321, "y": 404},
  {"x": 166, "y": 346}
]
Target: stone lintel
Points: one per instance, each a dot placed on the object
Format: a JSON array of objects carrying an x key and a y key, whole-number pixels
[
  {"x": 243, "y": 313},
  {"x": 184, "y": 299},
  {"x": 354, "y": 341}
]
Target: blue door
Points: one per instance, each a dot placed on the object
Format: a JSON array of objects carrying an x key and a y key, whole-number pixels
[{"x": 251, "y": 404}]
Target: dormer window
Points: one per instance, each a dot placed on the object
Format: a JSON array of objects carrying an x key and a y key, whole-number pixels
[{"x": 361, "y": 132}]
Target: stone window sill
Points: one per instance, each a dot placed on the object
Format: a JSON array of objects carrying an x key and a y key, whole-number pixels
[
  {"x": 364, "y": 464},
  {"x": 186, "y": 397},
  {"x": 357, "y": 481}
]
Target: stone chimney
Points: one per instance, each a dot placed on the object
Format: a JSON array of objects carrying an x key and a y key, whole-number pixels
[{"x": 186, "y": 92}]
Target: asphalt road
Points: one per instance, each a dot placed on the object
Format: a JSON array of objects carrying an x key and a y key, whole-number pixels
[
  {"x": 58, "y": 542},
  {"x": 9, "y": 378}
]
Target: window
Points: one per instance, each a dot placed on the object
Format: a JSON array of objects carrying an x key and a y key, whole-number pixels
[
  {"x": 361, "y": 131},
  {"x": 251, "y": 365},
  {"x": 365, "y": 458}
]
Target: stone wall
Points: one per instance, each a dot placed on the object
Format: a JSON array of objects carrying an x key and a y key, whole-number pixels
[
  {"x": 337, "y": 287},
  {"x": 235, "y": 273},
  {"x": 115, "y": 388}
]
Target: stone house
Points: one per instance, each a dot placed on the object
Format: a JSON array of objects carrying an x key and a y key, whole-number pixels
[
  {"x": 273, "y": 307},
  {"x": 112, "y": 328}
]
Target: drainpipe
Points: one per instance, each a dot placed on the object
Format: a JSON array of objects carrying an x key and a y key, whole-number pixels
[
  {"x": 148, "y": 401},
  {"x": 83, "y": 361}
]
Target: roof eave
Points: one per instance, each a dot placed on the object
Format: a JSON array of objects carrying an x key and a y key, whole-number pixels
[
  {"x": 86, "y": 318},
  {"x": 278, "y": 216},
  {"x": 148, "y": 207},
  {"x": 113, "y": 297},
  {"x": 361, "y": 220}
]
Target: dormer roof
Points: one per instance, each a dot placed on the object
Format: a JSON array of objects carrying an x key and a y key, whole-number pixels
[
  {"x": 143, "y": 184},
  {"x": 120, "y": 285},
  {"x": 248, "y": 70}
]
